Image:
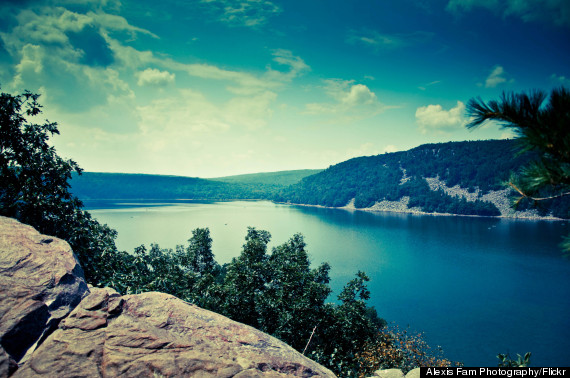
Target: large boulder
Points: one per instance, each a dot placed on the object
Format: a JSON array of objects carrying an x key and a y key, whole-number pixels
[
  {"x": 52, "y": 325},
  {"x": 41, "y": 282},
  {"x": 158, "y": 335}
]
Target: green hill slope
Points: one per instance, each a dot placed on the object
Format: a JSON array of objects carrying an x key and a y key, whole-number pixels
[
  {"x": 281, "y": 178},
  {"x": 95, "y": 185},
  {"x": 478, "y": 169}
]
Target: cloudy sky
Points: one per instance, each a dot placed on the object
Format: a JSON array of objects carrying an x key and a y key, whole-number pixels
[{"x": 211, "y": 88}]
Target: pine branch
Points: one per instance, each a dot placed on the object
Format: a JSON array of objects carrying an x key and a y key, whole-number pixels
[{"x": 524, "y": 195}]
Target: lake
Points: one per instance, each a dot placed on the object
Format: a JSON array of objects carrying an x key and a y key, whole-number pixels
[{"x": 475, "y": 286}]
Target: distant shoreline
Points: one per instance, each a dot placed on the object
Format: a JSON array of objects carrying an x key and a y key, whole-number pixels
[
  {"x": 419, "y": 212},
  {"x": 348, "y": 207}
]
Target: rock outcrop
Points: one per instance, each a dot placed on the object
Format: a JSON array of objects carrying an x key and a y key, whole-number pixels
[
  {"x": 53, "y": 325},
  {"x": 396, "y": 373},
  {"x": 41, "y": 282}
]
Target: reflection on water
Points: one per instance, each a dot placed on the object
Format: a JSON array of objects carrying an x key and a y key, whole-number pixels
[{"x": 476, "y": 286}]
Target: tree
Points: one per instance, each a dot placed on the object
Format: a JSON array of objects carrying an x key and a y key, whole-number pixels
[
  {"x": 346, "y": 328},
  {"x": 542, "y": 124},
  {"x": 35, "y": 189},
  {"x": 199, "y": 251},
  {"x": 246, "y": 278},
  {"x": 293, "y": 299}
]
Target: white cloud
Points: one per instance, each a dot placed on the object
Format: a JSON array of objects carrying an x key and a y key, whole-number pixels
[
  {"x": 188, "y": 113},
  {"x": 113, "y": 22},
  {"x": 508, "y": 135},
  {"x": 190, "y": 128},
  {"x": 365, "y": 149},
  {"x": 181, "y": 116},
  {"x": 356, "y": 101},
  {"x": 128, "y": 56},
  {"x": 110, "y": 79},
  {"x": 247, "y": 83},
  {"x": 390, "y": 148},
  {"x": 111, "y": 5},
  {"x": 433, "y": 118},
  {"x": 562, "y": 80},
  {"x": 250, "y": 112},
  {"x": 30, "y": 64},
  {"x": 50, "y": 25},
  {"x": 285, "y": 57},
  {"x": 155, "y": 78},
  {"x": 359, "y": 94},
  {"x": 378, "y": 41},
  {"x": 250, "y": 13},
  {"x": 497, "y": 77},
  {"x": 458, "y": 6},
  {"x": 424, "y": 87},
  {"x": 40, "y": 42},
  {"x": 549, "y": 11}
]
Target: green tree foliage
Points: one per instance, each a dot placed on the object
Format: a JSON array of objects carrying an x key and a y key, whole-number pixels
[
  {"x": 395, "y": 348},
  {"x": 293, "y": 300},
  {"x": 347, "y": 328},
  {"x": 246, "y": 277},
  {"x": 199, "y": 251},
  {"x": 94, "y": 185},
  {"x": 541, "y": 122},
  {"x": 505, "y": 360},
  {"x": 34, "y": 188}
]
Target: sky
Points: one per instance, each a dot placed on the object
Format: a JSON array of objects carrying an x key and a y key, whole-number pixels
[{"x": 210, "y": 88}]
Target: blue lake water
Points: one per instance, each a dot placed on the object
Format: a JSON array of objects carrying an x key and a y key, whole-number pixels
[{"x": 475, "y": 286}]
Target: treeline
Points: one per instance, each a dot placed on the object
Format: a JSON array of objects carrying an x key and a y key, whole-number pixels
[
  {"x": 94, "y": 185},
  {"x": 280, "y": 178},
  {"x": 98, "y": 186}
]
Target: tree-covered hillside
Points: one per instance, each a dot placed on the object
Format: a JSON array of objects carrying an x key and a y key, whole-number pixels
[
  {"x": 281, "y": 178},
  {"x": 94, "y": 185},
  {"x": 473, "y": 165}
]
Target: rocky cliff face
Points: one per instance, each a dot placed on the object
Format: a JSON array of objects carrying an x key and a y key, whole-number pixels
[
  {"x": 53, "y": 325},
  {"x": 41, "y": 282}
]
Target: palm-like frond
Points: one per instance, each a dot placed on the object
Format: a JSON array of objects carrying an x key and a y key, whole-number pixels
[
  {"x": 513, "y": 110},
  {"x": 541, "y": 122}
]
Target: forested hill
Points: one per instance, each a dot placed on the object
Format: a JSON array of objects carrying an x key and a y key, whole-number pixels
[
  {"x": 453, "y": 177},
  {"x": 95, "y": 185},
  {"x": 281, "y": 178}
]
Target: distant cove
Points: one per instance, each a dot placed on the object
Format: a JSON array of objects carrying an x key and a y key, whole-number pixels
[{"x": 475, "y": 286}]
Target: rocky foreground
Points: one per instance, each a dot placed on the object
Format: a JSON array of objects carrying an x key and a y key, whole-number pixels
[{"x": 52, "y": 324}]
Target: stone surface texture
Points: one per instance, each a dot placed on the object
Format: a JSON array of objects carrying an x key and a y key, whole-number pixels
[
  {"x": 156, "y": 334},
  {"x": 41, "y": 282},
  {"x": 389, "y": 373},
  {"x": 53, "y": 325},
  {"x": 396, "y": 373}
]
